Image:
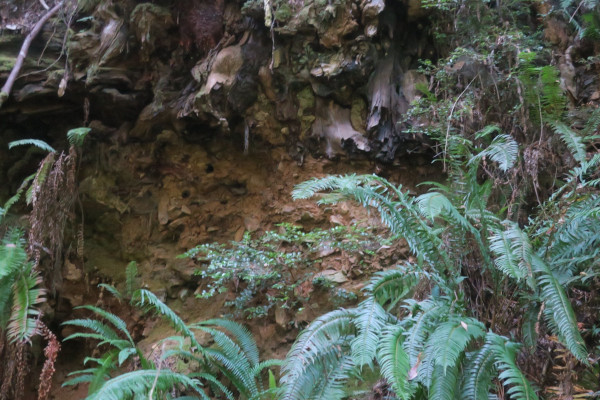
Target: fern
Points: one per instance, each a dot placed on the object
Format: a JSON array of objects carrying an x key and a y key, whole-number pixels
[
  {"x": 503, "y": 150},
  {"x": 559, "y": 306},
  {"x": 28, "y": 295},
  {"x": 33, "y": 142},
  {"x": 369, "y": 320},
  {"x": 518, "y": 386},
  {"x": 144, "y": 297},
  {"x": 131, "y": 272},
  {"x": 572, "y": 140},
  {"x": 444, "y": 383},
  {"x": 479, "y": 371},
  {"x": 450, "y": 339},
  {"x": 141, "y": 382},
  {"x": 77, "y": 136},
  {"x": 513, "y": 252},
  {"x": 394, "y": 361}
]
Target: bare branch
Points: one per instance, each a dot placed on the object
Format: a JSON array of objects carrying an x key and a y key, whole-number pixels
[{"x": 5, "y": 92}]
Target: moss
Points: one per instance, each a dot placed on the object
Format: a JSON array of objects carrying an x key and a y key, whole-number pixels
[
  {"x": 306, "y": 100},
  {"x": 283, "y": 12},
  {"x": 6, "y": 63}
]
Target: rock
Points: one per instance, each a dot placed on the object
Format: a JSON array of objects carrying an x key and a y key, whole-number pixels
[
  {"x": 71, "y": 272},
  {"x": 251, "y": 224},
  {"x": 410, "y": 80},
  {"x": 333, "y": 125},
  {"x": 281, "y": 317},
  {"x": 332, "y": 275},
  {"x": 225, "y": 67}
]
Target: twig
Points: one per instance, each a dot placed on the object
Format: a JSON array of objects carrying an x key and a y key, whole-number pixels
[
  {"x": 43, "y": 3},
  {"x": 450, "y": 119},
  {"x": 5, "y": 91}
]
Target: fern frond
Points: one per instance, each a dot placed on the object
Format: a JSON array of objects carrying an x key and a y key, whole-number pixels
[
  {"x": 332, "y": 385},
  {"x": 396, "y": 207},
  {"x": 144, "y": 297},
  {"x": 214, "y": 382},
  {"x": 106, "y": 332},
  {"x": 369, "y": 320},
  {"x": 572, "y": 140},
  {"x": 444, "y": 383},
  {"x": 112, "y": 290},
  {"x": 12, "y": 253},
  {"x": 314, "y": 346},
  {"x": 112, "y": 318},
  {"x": 559, "y": 307},
  {"x": 233, "y": 361},
  {"x": 513, "y": 251},
  {"x": 33, "y": 142},
  {"x": 27, "y": 294},
  {"x": 518, "y": 386},
  {"x": 241, "y": 335},
  {"x": 504, "y": 150},
  {"x": 450, "y": 339},
  {"x": 421, "y": 325},
  {"x": 479, "y": 371},
  {"x": 140, "y": 382},
  {"x": 393, "y": 285},
  {"x": 394, "y": 361},
  {"x": 77, "y": 136}
]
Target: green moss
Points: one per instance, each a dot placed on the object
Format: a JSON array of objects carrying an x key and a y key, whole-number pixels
[
  {"x": 6, "y": 63},
  {"x": 306, "y": 100},
  {"x": 283, "y": 12}
]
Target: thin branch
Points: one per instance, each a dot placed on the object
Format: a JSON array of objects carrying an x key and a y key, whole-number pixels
[
  {"x": 450, "y": 120},
  {"x": 5, "y": 91}
]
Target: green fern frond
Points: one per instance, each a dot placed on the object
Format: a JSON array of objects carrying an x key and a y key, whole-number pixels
[
  {"x": 232, "y": 360},
  {"x": 332, "y": 385},
  {"x": 144, "y": 297},
  {"x": 33, "y": 142},
  {"x": 77, "y": 136},
  {"x": 12, "y": 253},
  {"x": 112, "y": 318},
  {"x": 27, "y": 294},
  {"x": 314, "y": 347},
  {"x": 450, "y": 339},
  {"x": 214, "y": 383},
  {"x": 258, "y": 368},
  {"x": 421, "y": 325},
  {"x": 513, "y": 252},
  {"x": 504, "y": 150},
  {"x": 141, "y": 382},
  {"x": 131, "y": 272},
  {"x": 240, "y": 334},
  {"x": 517, "y": 384},
  {"x": 393, "y": 285},
  {"x": 105, "y": 333},
  {"x": 479, "y": 371},
  {"x": 572, "y": 140},
  {"x": 394, "y": 361},
  {"x": 396, "y": 207},
  {"x": 559, "y": 307},
  {"x": 370, "y": 318},
  {"x": 444, "y": 383},
  {"x": 112, "y": 290}
]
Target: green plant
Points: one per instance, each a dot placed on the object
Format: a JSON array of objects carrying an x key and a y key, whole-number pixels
[
  {"x": 234, "y": 355},
  {"x": 20, "y": 291},
  {"x": 439, "y": 345},
  {"x": 276, "y": 262}
]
